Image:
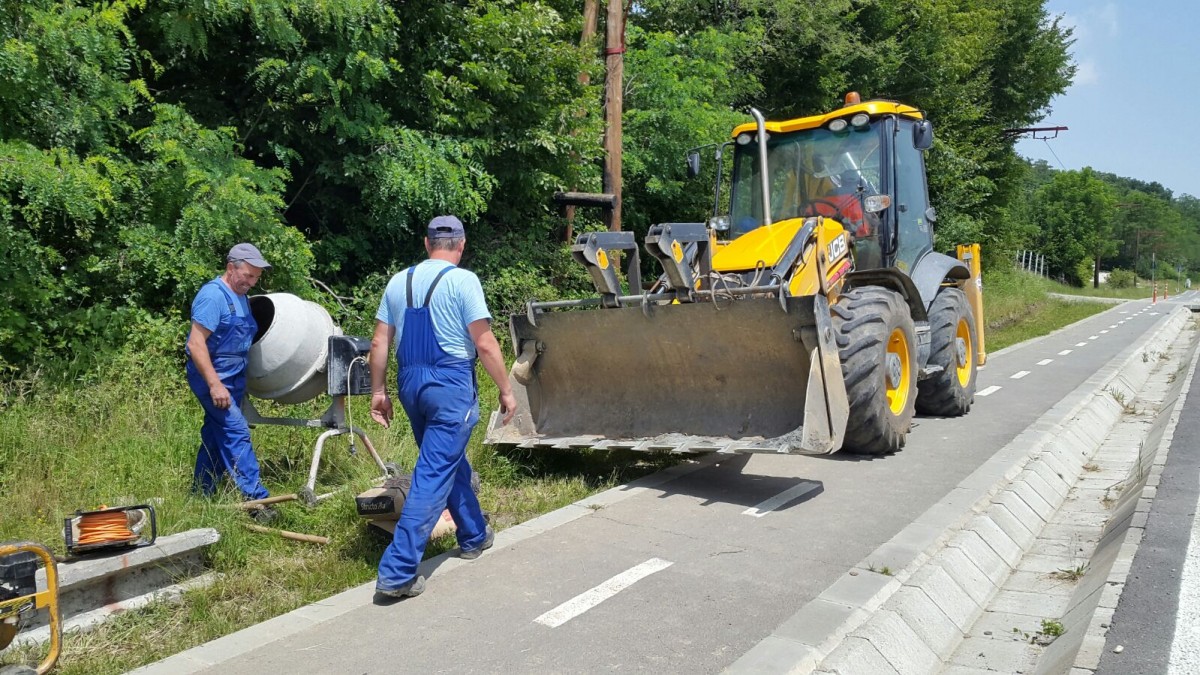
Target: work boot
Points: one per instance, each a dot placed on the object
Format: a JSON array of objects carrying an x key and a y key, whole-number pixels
[
  {"x": 489, "y": 538},
  {"x": 409, "y": 590},
  {"x": 264, "y": 515}
]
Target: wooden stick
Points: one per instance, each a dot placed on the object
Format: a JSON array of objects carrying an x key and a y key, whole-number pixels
[
  {"x": 295, "y": 536},
  {"x": 259, "y": 503}
]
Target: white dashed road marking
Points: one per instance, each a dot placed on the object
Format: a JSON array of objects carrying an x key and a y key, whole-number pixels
[
  {"x": 989, "y": 391},
  {"x": 1019, "y": 375},
  {"x": 1080, "y": 344},
  {"x": 1093, "y": 337},
  {"x": 782, "y": 498},
  {"x": 1065, "y": 352},
  {"x": 1103, "y": 332},
  {"x": 1044, "y": 362},
  {"x": 590, "y": 598}
]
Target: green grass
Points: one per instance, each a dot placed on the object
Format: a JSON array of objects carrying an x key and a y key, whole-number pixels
[
  {"x": 129, "y": 434},
  {"x": 1016, "y": 308}
]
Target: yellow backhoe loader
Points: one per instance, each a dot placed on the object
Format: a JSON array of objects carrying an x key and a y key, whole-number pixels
[{"x": 812, "y": 315}]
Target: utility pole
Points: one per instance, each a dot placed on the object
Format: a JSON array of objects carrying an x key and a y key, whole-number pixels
[
  {"x": 614, "y": 56},
  {"x": 614, "y": 60},
  {"x": 590, "y": 12}
]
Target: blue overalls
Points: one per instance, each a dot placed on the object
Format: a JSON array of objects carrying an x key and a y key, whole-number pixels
[
  {"x": 438, "y": 393},
  {"x": 225, "y": 436}
]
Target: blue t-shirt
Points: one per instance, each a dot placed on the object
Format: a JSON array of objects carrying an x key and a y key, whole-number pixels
[
  {"x": 211, "y": 308},
  {"x": 457, "y": 302}
]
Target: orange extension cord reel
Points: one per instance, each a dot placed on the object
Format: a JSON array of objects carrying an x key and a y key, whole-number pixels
[{"x": 109, "y": 528}]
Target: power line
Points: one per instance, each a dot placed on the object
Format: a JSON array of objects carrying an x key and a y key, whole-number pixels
[{"x": 1060, "y": 163}]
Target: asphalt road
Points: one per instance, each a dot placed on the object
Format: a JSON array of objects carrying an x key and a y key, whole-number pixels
[{"x": 680, "y": 578}]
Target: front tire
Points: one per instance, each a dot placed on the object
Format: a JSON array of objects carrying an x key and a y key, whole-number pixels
[
  {"x": 950, "y": 392},
  {"x": 877, "y": 345}
]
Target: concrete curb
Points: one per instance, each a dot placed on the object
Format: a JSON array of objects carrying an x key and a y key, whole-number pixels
[
  {"x": 82, "y": 623},
  {"x": 1095, "y": 601},
  {"x": 90, "y": 589},
  {"x": 944, "y": 568}
]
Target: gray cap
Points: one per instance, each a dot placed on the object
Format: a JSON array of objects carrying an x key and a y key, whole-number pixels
[
  {"x": 446, "y": 227},
  {"x": 248, "y": 253}
]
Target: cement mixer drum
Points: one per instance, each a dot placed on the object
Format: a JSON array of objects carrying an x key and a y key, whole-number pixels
[{"x": 287, "y": 358}]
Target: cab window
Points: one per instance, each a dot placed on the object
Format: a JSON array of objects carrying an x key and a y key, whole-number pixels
[{"x": 912, "y": 200}]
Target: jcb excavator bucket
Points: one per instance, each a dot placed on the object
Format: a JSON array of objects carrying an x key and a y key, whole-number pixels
[{"x": 754, "y": 374}]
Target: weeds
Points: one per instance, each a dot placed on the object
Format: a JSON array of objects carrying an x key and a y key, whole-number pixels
[
  {"x": 1052, "y": 627},
  {"x": 1070, "y": 574},
  {"x": 1119, "y": 397},
  {"x": 1111, "y": 493},
  {"x": 885, "y": 570}
]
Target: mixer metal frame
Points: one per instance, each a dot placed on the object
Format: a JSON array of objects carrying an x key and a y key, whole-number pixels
[{"x": 334, "y": 421}]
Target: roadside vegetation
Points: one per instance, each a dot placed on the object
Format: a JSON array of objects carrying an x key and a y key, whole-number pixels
[
  {"x": 1017, "y": 307},
  {"x": 127, "y": 434}
]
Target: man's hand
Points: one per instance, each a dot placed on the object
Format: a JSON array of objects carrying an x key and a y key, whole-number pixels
[
  {"x": 220, "y": 396},
  {"x": 381, "y": 409},
  {"x": 508, "y": 406},
  {"x": 493, "y": 363}
]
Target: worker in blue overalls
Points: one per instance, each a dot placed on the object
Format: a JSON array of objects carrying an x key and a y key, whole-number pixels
[
  {"x": 442, "y": 320},
  {"x": 217, "y": 348}
]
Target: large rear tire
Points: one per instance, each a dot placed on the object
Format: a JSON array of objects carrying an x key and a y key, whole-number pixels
[
  {"x": 878, "y": 348},
  {"x": 951, "y": 346}
]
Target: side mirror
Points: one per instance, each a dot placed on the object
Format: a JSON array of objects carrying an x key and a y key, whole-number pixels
[
  {"x": 923, "y": 135},
  {"x": 931, "y": 215},
  {"x": 693, "y": 164}
]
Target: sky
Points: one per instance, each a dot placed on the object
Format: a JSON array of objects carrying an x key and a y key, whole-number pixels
[{"x": 1134, "y": 107}]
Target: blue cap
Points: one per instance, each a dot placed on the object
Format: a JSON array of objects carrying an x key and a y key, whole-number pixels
[
  {"x": 446, "y": 227},
  {"x": 248, "y": 253}
]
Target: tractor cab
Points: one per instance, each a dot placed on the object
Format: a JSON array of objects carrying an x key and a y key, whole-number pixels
[{"x": 861, "y": 165}]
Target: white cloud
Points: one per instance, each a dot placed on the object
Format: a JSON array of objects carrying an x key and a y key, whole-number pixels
[
  {"x": 1086, "y": 72},
  {"x": 1091, "y": 27},
  {"x": 1106, "y": 16}
]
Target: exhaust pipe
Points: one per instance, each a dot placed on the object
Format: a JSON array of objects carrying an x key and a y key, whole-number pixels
[{"x": 762, "y": 165}]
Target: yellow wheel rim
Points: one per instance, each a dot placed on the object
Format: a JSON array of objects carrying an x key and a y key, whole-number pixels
[
  {"x": 964, "y": 353},
  {"x": 899, "y": 371}
]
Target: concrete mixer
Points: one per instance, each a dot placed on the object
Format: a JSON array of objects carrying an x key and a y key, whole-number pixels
[{"x": 297, "y": 355}]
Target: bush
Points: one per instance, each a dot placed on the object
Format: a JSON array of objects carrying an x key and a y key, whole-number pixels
[
  {"x": 1119, "y": 278},
  {"x": 1081, "y": 274}
]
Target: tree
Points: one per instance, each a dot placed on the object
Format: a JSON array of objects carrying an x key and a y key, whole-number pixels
[
  {"x": 139, "y": 140},
  {"x": 1075, "y": 212}
]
